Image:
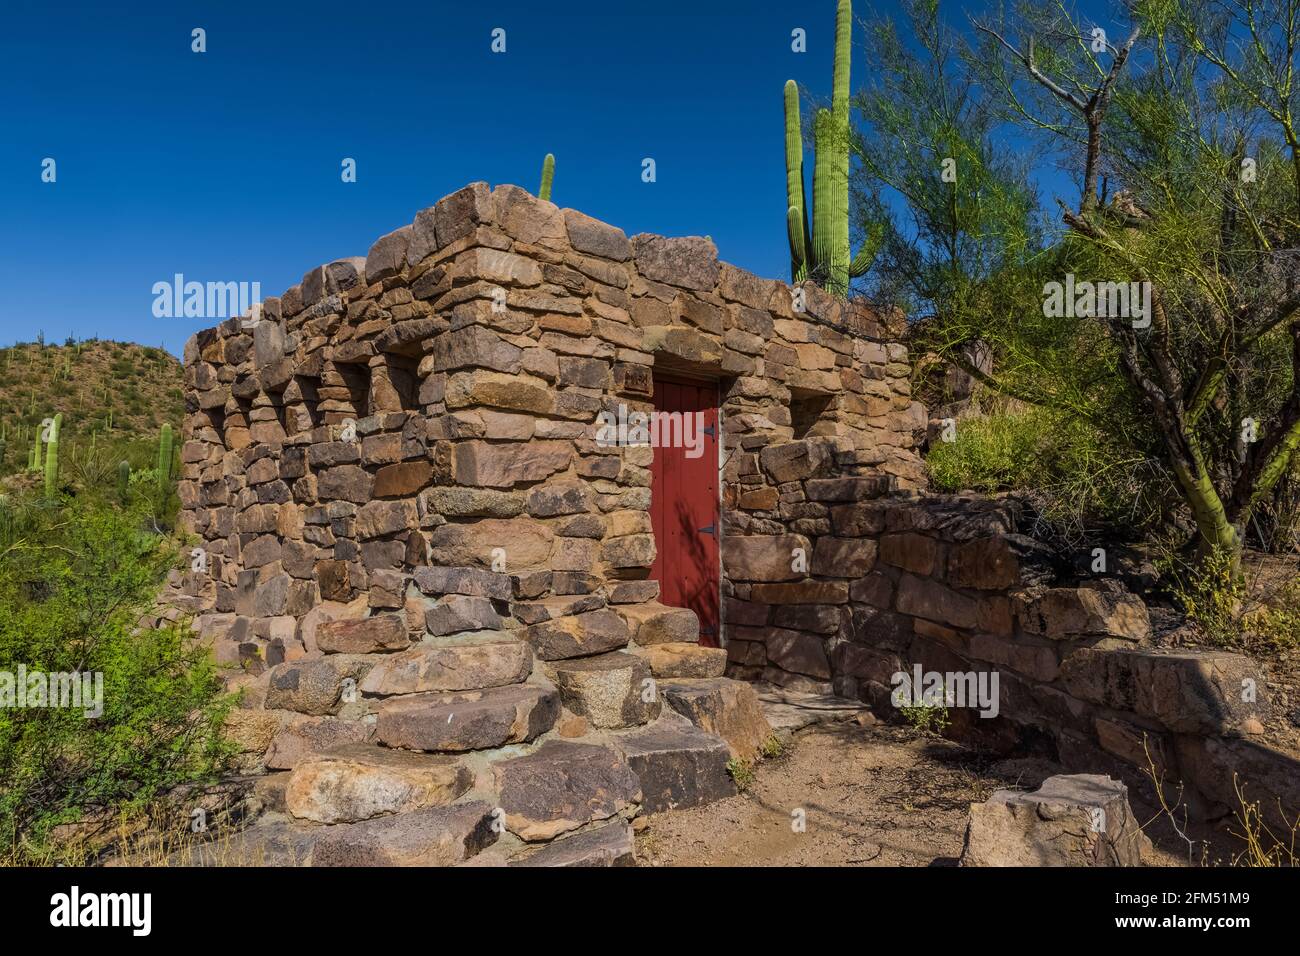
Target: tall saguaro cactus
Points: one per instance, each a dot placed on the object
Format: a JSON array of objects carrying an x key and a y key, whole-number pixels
[
  {"x": 548, "y": 174},
  {"x": 52, "y": 456},
  {"x": 819, "y": 237},
  {"x": 164, "y": 458}
]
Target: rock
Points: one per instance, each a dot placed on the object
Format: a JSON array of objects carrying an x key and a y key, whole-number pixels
[
  {"x": 270, "y": 843},
  {"x": 470, "y": 581},
  {"x": 450, "y": 667},
  {"x": 610, "y": 845},
  {"x": 728, "y": 708},
  {"x": 678, "y": 766},
  {"x": 458, "y": 612},
  {"x": 763, "y": 557},
  {"x": 592, "y": 632},
  {"x": 1104, "y": 608},
  {"x": 369, "y": 635},
  {"x": 610, "y": 690},
  {"x": 1071, "y": 820},
  {"x": 562, "y": 786},
  {"x": 358, "y": 781},
  {"x": 1188, "y": 691},
  {"x": 524, "y": 542},
  {"x": 655, "y": 623},
  {"x": 483, "y": 464},
  {"x": 927, "y": 598},
  {"x": 688, "y": 261},
  {"x": 312, "y": 736},
  {"x": 316, "y": 686},
  {"x": 435, "y": 836},
  {"x": 678, "y": 659},
  {"x": 472, "y": 720},
  {"x": 595, "y": 237}
]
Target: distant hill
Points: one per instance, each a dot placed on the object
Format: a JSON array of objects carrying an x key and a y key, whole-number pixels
[{"x": 116, "y": 391}]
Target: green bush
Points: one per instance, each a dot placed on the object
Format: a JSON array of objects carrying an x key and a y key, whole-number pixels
[
  {"x": 1080, "y": 482},
  {"x": 75, "y": 577}
]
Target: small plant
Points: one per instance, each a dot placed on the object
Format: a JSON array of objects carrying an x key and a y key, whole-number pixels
[
  {"x": 772, "y": 747},
  {"x": 742, "y": 772},
  {"x": 1211, "y": 593},
  {"x": 926, "y": 718}
]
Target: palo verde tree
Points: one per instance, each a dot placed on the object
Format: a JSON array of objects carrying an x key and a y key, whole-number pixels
[{"x": 1163, "y": 305}]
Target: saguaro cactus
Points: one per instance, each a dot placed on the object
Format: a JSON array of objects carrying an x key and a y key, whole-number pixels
[
  {"x": 164, "y": 457},
  {"x": 821, "y": 253},
  {"x": 52, "y": 456},
  {"x": 548, "y": 174},
  {"x": 123, "y": 477},
  {"x": 34, "y": 460}
]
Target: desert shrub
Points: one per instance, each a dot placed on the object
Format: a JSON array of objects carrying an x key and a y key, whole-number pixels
[
  {"x": 75, "y": 576},
  {"x": 1211, "y": 592},
  {"x": 1079, "y": 482}
]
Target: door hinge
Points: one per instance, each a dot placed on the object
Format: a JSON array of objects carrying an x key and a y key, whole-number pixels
[
  {"x": 710, "y": 431},
  {"x": 709, "y": 529}
]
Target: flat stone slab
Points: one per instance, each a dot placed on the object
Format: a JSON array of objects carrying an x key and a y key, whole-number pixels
[
  {"x": 562, "y": 786},
  {"x": 610, "y": 845},
  {"x": 317, "y": 686},
  {"x": 312, "y": 736},
  {"x": 266, "y": 843},
  {"x": 473, "y": 720},
  {"x": 450, "y": 667},
  {"x": 367, "y": 635},
  {"x": 359, "y": 781},
  {"x": 436, "y": 836},
  {"x": 655, "y": 623},
  {"x": 791, "y": 710},
  {"x": 610, "y": 690},
  {"x": 1071, "y": 820},
  {"x": 719, "y": 705},
  {"x": 678, "y": 766},
  {"x": 579, "y": 635},
  {"x": 680, "y": 659}
]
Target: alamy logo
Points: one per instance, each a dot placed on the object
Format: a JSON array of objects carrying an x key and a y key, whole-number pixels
[
  {"x": 203, "y": 300},
  {"x": 921, "y": 688},
  {"x": 73, "y": 909},
  {"x": 657, "y": 429},
  {"x": 1106, "y": 300},
  {"x": 73, "y": 690}
]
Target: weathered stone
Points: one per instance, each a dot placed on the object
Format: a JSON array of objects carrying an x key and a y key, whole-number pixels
[
  {"x": 654, "y": 623},
  {"x": 434, "y": 836},
  {"x": 843, "y": 557},
  {"x": 1102, "y": 609},
  {"x": 402, "y": 479},
  {"x": 764, "y": 557},
  {"x": 563, "y": 786},
  {"x": 676, "y": 659},
  {"x": 610, "y": 845},
  {"x": 383, "y": 632},
  {"x": 358, "y": 781},
  {"x": 1077, "y": 820},
  {"x": 689, "y": 261},
  {"x": 610, "y": 690},
  {"x": 525, "y": 544},
  {"x": 458, "y": 612},
  {"x": 470, "y": 581},
  {"x": 501, "y": 466},
  {"x": 450, "y": 667},
  {"x": 312, "y": 736},
  {"x": 728, "y": 708},
  {"x": 579, "y": 635},
  {"x": 473, "y": 720},
  {"x": 678, "y": 766},
  {"x": 926, "y": 598},
  {"x": 596, "y": 238},
  {"x": 314, "y": 686}
]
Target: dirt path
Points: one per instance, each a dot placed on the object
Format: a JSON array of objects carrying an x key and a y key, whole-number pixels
[{"x": 871, "y": 796}]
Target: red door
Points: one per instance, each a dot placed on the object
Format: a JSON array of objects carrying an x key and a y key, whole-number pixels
[{"x": 684, "y": 500}]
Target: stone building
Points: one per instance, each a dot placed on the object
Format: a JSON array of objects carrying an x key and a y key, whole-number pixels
[{"x": 500, "y": 482}]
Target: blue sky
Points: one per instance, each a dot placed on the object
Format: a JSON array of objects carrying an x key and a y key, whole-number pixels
[{"x": 225, "y": 166}]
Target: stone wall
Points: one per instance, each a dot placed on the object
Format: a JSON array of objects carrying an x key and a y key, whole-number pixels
[{"x": 947, "y": 583}]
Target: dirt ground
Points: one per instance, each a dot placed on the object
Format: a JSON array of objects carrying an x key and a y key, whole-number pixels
[{"x": 870, "y": 795}]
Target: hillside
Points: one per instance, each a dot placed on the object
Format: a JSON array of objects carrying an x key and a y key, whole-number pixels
[{"x": 119, "y": 393}]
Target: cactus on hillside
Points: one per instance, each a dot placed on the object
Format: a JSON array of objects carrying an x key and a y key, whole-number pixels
[
  {"x": 52, "y": 456},
  {"x": 819, "y": 250},
  {"x": 123, "y": 477},
  {"x": 164, "y": 457},
  {"x": 34, "y": 459},
  {"x": 548, "y": 174}
]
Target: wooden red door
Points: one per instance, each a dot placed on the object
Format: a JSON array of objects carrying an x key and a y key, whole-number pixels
[{"x": 684, "y": 500}]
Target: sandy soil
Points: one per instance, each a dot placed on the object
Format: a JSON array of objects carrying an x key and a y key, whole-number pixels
[{"x": 871, "y": 796}]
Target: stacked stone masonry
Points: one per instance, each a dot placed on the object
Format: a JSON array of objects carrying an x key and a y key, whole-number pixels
[{"x": 434, "y": 574}]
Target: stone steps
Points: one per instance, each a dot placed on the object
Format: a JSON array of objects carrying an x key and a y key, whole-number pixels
[
  {"x": 655, "y": 623},
  {"x": 610, "y": 690},
  {"x": 475, "y": 664},
  {"x": 357, "y": 782}
]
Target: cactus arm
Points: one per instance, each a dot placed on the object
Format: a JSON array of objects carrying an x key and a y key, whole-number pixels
[
  {"x": 838, "y": 155},
  {"x": 795, "y": 197},
  {"x": 548, "y": 175},
  {"x": 822, "y": 230},
  {"x": 867, "y": 253}
]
